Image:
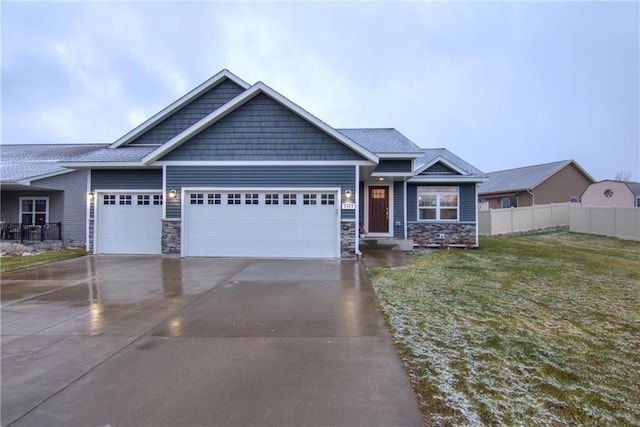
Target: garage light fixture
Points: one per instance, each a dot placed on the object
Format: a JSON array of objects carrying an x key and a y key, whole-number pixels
[
  {"x": 347, "y": 194},
  {"x": 173, "y": 194},
  {"x": 90, "y": 195}
]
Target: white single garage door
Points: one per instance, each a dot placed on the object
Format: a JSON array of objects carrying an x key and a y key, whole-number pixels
[
  {"x": 287, "y": 224},
  {"x": 128, "y": 223}
]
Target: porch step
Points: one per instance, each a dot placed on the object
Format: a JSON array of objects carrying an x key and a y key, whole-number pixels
[{"x": 386, "y": 243}]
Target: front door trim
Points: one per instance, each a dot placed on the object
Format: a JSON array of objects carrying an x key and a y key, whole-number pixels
[{"x": 389, "y": 185}]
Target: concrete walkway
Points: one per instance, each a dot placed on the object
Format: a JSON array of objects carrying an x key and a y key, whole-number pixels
[{"x": 144, "y": 341}]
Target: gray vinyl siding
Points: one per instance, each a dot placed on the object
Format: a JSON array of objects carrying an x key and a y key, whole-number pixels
[
  {"x": 258, "y": 177},
  {"x": 10, "y": 202},
  {"x": 190, "y": 113},
  {"x": 262, "y": 129},
  {"x": 126, "y": 179},
  {"x": 440, "y": 169},
  {"x": 398, "y": 209},
  {"x": 467, "y": 201},
  {"x": 70, "y": 206},
  {"x": 361, "y": 200},
  {"x": 393, "y": 166}
]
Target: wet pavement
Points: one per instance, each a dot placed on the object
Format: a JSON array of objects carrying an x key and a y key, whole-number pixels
[
  {"x": 384, "y": 257},
  {"x": 168, "y": 341}
]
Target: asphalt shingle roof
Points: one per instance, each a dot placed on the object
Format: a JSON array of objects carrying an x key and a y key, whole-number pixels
[
  {"x": 382, "y": 141},
  {"x": 25, "y": 162},
  {"x": 433, "y": 153},
  {"x": 519, "y": 179},
  {"x": 127, "y": 153},
  {"x": 634, "y": 187}
]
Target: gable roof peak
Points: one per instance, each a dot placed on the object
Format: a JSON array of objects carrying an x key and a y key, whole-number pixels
[
  {"x": 241, "y": 99},
  {"x": 179, "y": 103}
]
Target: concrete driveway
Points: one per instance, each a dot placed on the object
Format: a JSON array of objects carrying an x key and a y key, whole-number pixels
[{"x": 117, "y": 341}]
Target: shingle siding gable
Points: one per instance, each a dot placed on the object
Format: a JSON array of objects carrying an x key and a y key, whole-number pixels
[
  {"x": 190, "y": 113},
  {"x": 439, "y": 168},
  {"x": 262, "y": 129}
]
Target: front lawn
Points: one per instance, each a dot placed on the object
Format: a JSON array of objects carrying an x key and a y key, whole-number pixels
[
  {"x": 528, "y": 330},
  {"x": 8, "y": 263}
]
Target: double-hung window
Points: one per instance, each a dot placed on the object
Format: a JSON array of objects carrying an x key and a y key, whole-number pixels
[
  {"x": 34, "y": 210},
  {"x": 438, "y": 203},
  {"x": 509, "y": 202}
]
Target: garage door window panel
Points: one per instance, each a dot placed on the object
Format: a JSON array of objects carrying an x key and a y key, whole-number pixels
[
  {"x": 214, "y": 199},
  {"x": 234, "y": 199},
  {"x": 271, "y": 199},
  {"x": 196, "y": 199},
  {"x": 289, "y": 199},
  {"x": 309, "y": 199},
  {"x": 125, "y": 200},
  {"x": 251, "y": 199},
  {"x": 328, "y": 199}
]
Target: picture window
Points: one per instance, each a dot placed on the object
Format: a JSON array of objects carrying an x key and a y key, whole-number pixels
[{"x": 438, "y": 203}]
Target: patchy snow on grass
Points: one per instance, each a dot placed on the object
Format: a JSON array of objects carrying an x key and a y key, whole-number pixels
[{"x": 527, "y": 331}]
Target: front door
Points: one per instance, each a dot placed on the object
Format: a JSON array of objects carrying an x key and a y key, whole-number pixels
[{"x": 378, "y": 209}]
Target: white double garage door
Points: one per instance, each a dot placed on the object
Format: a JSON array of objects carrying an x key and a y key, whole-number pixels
[{"x": 292, "y": 223}]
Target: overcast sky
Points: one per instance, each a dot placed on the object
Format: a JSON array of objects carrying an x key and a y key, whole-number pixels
[{"x": 501, "y": 84}]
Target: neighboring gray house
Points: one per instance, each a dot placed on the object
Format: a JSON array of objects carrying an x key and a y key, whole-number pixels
[
  {"x": 39, "y": 199},
  {"x": 557, "y": 182},
  {"x": 232, "y": 169}
]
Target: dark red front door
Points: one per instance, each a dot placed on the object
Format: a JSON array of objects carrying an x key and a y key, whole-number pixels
[{"x": 379, "y": 209}]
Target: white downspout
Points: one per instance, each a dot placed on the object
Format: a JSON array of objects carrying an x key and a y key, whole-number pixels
[
  {"x": 477, "y": 218},
  {"x": 358, "y": 207},
  {"x": 405, "y": 210}
]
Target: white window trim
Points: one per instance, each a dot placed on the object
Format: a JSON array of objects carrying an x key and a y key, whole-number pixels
[
  {"x": 438, "y": 207},
  {"x": 34, "y": 198}
]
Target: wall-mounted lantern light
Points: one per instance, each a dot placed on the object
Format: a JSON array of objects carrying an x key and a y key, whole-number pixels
[
  {"x": 90, "y": 195},
  {"x": 347, "y": 194},
  {"x": 173, "y": 194}
]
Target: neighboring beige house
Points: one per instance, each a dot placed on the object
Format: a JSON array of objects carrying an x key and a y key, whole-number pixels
[
  {"x": 612, "y": 193},
  {"x": 557, "y": 182}
]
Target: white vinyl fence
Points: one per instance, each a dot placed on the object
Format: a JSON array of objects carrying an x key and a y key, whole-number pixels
[{"x": 608, "y": 221}]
